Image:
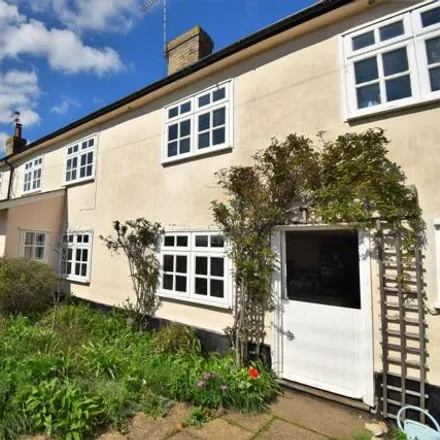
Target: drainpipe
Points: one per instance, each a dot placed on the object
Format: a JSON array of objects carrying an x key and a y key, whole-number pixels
[{"x": 11, "y": 176}]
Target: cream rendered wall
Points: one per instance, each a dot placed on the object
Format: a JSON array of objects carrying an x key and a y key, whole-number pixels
[{"x": 294, "y": 87}]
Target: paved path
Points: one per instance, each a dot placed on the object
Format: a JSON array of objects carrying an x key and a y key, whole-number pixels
[{"x": 294, "y": 416}]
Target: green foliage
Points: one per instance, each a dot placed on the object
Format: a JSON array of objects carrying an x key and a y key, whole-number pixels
[
  {"x": 140, "y": 241},
  {"x": 51, "y": 383},
  {"x": 176, "y": 338},
  {"x": 197, "y": 417},
  {"x": 26, "y": 286},
  {"x": 349, "y": 180}
]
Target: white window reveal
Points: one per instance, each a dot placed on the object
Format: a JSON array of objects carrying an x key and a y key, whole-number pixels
[
  {"x": 393, "y": 62},
  {"x": 33, "y": 172},
  {"x": 80, "y": 161},
  {"x": 199, "y": 124},
  {"x": 1, "y": 184},
  {"x": 195, "y": 268},
  {"x": 77, "y": 256},
  {"x": 33, "y": 245}
]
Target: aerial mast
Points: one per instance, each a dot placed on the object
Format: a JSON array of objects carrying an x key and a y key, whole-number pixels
[{"x": 146, "y": 7}]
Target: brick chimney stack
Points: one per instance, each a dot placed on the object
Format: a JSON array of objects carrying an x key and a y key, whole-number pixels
[
  {"x": 16, "y": 143},
  {"x": 188, "y": 48}
]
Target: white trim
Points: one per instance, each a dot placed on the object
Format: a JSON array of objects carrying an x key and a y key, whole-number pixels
[
  {"x": 23, "y": 233},
  {"x": 31, "y": 171},
  {"x": 364, "y": 354},
  {"x": 437, "y": 259},
  {"x": 78, "y": 154},
  {"x": 192, "y": 116},
  {"x": 413, "y": 39},
  {"x": 75, "y": 246}
]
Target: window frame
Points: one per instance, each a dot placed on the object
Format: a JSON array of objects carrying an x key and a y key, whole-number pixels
[
  {"x": 78, "y": 155},
  {"x": 23, "y": 245},
  {"x": 89, "y": 246},
  {"x": 413, "y": 39},
  {"x": 193, "y": 114},
  {"x": 191, "y": 252},
  {"x": 31, "y": 171},
  {"x": 1, "y": 184}
]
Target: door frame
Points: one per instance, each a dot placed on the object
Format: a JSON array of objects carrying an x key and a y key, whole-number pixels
[{"x": 364, "y": 354}]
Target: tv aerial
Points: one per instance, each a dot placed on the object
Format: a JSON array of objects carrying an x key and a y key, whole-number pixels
[{"x": 145, "y": 7}]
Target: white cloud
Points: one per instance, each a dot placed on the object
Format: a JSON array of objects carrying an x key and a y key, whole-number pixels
[
  {"x": 19, "y": 90},
  {"x": 64, "y": 106},
  {"x": 86, "y": 15},
  {"x": 3, "y": 137},
  {"x": 63, "y": 48}
]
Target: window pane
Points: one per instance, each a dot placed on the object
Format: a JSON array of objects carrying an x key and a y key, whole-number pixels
[
  {"x": 69, "y": 254},
  {"x": 217, "y": 288},
  {"x": 184, "y": 146},
  {"x": 218, "y": 136},
  {"x": 39, "y": 253},
  {"x": 201, "y": 241},
  {"x": 89, "y": 170},
  {"x": 368, "y": 96},
  {"x": 204, "y": 140},
  {"x": 217, "y": 241},
  {"x": 84, "y": 270},
  {"x": 83, "y": 159},
  {"x": 77, "y": 269},
  {"x": 431, "y": 17},
  {"x": 172, "y": 149},
  {"x": 398, "y": 88},
  {"x": 181, "y": 263},
  {"x": 28, "y": 252},
  {"x": 433, "y": 50},
  {"x": 167, "y": 282},
  {"x": 91, "y": 142},
  {"x": 84, "y": 145},
  {"x": 434, "y": 76},
  {"x": 391, "y": 31},
  {"x": 218, "y": 117},
  {"x": 40, "y": 239},
  {"x": 181, "y": 284},
  {"x": 217, "y": 266},
  {"x": 218, "y": 94},
  {"x": 366, "y": 70},
  {"x": 204, "y": 122},
  {"x": 168, "y": 263},
  {"x": 202, "y": 265},
  {"x": 185, "y": 128},
  {"x": 169, "y": 240},
  {"x": 185, "y": 108},
  {"x": 363, "y": 40},
  {"x": 182, "y": 240},
  {"x": 173, "y": 112},
  {"x": 82, "y": 172},
  {"x": 172, "y": 132},
  {"x": 395, "y": 61},
  {"x": 204, "y": 100},
  {"x": 85, "y": 238},
  {"x": 29, "y": 238},
  {"x": 201, "y": 286},
  {"x": 85, "y": 255},
  {"x": 90, "y": 158}
]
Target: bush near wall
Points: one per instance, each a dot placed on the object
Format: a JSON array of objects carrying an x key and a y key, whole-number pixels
[{"x": 26, "y": 286}]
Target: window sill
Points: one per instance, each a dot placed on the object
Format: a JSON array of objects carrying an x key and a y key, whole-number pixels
[
  {"x": 78, "y": 182},
  {"x": 79, "y": 280},
  {"x": 30, "y": 193},
  {"x": 395, "y": 108},
  {"x": 195, "y": 301},
  {"x": 198, "y": 155}
]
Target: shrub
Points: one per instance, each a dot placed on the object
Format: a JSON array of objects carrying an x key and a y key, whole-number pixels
[
  {"x": 176, "y": 338},
  {"x": 26, "y": 286}
]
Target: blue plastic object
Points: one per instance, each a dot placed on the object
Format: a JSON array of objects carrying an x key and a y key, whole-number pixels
[{"x": 416, "y": 430}]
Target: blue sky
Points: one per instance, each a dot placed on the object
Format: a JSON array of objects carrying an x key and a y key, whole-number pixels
[{"x": 62, "y": 59}]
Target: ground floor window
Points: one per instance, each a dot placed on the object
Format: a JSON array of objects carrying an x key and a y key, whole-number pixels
[
  {"x": 33, "y": 245},
  {"x": 195, "y": 268},
  {"x": 323, "y": 267},
  {"x": 76, "y": 255}
]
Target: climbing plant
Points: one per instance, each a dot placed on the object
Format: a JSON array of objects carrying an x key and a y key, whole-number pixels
[
  {"x": 349, "y": 180},
  {"x": 140, "y": 241}
]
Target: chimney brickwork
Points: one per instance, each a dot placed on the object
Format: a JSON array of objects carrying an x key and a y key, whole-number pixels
[
  {"x": 188, "y": 48},
  {"x": 15, "y": 144}
]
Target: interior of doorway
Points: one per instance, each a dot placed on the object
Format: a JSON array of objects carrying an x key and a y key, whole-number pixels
[{"x": 322, "y": 267}]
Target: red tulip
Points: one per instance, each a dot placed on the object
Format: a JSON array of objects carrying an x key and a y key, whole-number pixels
[{"x": 254, "y": 373}]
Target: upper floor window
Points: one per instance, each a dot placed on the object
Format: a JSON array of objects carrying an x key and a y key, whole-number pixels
[
  {"x": 33, "y": 173},
  {"x": 394, "y": 62},
  {"x": 199, "y": 124},
  {"x": 195, "y": 268},
  {"x": 76, "y": 257},
  {"x": 80, "y": 161},
  {"x": 33, "y": 245}
]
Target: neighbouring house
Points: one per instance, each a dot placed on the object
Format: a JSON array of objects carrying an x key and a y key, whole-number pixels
[{"x": 337, "y": 66}]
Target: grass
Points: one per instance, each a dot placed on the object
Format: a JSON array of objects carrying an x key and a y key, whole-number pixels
[{"x": 95, "y": 370}]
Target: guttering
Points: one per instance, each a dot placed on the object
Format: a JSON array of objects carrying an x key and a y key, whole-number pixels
[
  {"x": 11, "y": 176},
  {"x": 303, "y": 16}
]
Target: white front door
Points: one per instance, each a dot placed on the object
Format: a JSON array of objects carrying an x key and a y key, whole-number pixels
[{"x": 326, "y": 311}]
